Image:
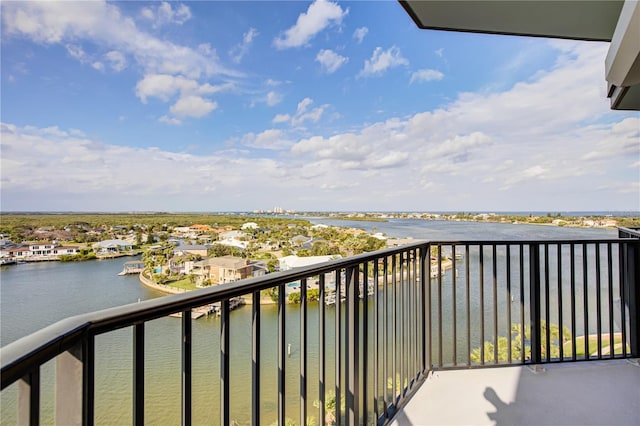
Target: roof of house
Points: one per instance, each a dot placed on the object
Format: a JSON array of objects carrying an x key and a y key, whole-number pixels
[
  {"x": 187, "y": 247},
  {"x": 294, "y": 261},
  {"x": 228, "y": 262},
  {"x": 111, "y": 243}
]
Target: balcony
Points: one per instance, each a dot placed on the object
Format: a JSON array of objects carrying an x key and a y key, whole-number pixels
[{"x": 393, "y": 336}]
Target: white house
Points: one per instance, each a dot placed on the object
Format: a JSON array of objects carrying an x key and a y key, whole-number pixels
[
  {"x": 293, "y": 261},
  {"x": 232, "y": 242},
  {"x": 37, "y": 251},
  {"x": 233, "y": 235},
  {"x": 112, "y": 246}
]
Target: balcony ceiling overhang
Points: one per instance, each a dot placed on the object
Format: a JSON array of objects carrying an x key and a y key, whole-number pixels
[
  {"x": 574, "y": 19},
  {"x": 615, "y": 21}
]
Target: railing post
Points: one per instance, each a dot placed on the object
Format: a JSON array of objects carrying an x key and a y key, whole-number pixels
[
  {"x": 631, "y": 288},
  {"x": 534, "y": 300},
  {"x": 29, "y": 399},
  {"x": 425, "y": 288},
  {"x": 224, "y": 362},
  {"x": 186, "y": 368},
  {"x": 138, "y": 374},
  {"x": 255, "y": 359},
  {"x": 281, "y": 355},
  {"x": 353, "y": 346},
  {"x": 69, "y": 395}
]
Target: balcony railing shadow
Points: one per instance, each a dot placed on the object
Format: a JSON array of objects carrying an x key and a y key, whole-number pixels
[{"x": 380, "y": 324}]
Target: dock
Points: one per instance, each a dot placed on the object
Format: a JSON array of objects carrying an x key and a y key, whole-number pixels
[
  {"x": 194, "y": 314},
  {"x": 200, "y": 312},
  {"x": 132, "y": 267}
]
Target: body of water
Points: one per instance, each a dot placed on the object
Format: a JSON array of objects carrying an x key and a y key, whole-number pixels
[{"x": 35, "y": 295}]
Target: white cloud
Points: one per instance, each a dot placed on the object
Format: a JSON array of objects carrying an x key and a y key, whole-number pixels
[
  {"x": 460, "y": 145},
  {"x": 112, "y": 177},
  {"x": 621, "y": 139},
  {"x": 103, "y": 25},
  {"x": 164, "y": 14},
  {"x": 330, "y": 60},
  {"x": 76, "y": 52},
  {"x": 281, "y": 118},
  {"x": 170, "y": 120},
  {"x": 99, "y": 27},
  {"x": 164, "y": 87},
  {"x": 240, "y": 50},
  {"x": 425, "y": 75},
  {"x": 520, "y": 147},
  {"x": 303, "y": 114},
  {"x": 391, "y": 159},
  {"x": 523, "y": 139},
  {"x": 360, "y": 33},
  {"x": 117, "y": 60},
  {"x": 273, "y": 98},
  {"x": 382, "y": 60},
  {"x": 189, "y": 92},
  {"x": 350, "y": 151},
  {"x": 303, "y": 105},
  {"x": 269, "y": 139},
  {"x": 439, "y": 52},
  {"x": 193, "y": 106},
  {"x": 320, "y": 15}
]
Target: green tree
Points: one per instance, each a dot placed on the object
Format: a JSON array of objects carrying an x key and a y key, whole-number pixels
[
  {"x": 218, "y": 250},
  {"x": 273, "y": 293},
  {"x": 556, "y": 339},
  {"x": 295, "y": 298},
  {"x": 273, "y": 265}
]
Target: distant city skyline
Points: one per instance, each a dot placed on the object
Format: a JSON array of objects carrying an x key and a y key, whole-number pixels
[{"x": 312, "y": 106}]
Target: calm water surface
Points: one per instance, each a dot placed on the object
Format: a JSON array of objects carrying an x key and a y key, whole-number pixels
[{"x": 35, "y": 295}]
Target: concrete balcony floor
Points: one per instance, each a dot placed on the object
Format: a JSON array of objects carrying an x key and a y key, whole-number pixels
[{"x": 579, "y": 393}]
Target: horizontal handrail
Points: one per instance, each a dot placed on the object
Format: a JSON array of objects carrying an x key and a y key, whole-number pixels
[
  {"x": 18, "y": 357},
  {"x": 628, "y": 232}
]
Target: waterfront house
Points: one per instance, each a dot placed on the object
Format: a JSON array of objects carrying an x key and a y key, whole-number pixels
[
  {"x": 36, "y": 251},
  {"x": 112, "y": 247},
  {"x": 293, "y": 261},
  {"x": 223, "y": 269},
  {"x": 180, "y": 265},
  {"x": 41, "y": 249},
  {"x": 14, "y": 252},
  {"x": 66, "y": 250},
  {"x": 196, "y": 250}
]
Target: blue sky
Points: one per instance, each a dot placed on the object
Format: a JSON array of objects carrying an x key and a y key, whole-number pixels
[{"x": 235, "y": 106}]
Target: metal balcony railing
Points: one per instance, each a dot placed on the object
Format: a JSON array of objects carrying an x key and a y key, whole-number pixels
[{"x": 384, "y": 321}]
